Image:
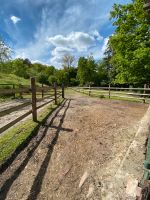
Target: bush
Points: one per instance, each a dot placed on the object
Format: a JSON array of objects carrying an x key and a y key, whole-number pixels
[{"x": 102, "y": 96}]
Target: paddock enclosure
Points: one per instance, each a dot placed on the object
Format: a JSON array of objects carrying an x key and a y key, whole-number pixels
[{"x": 90, "y": 148}]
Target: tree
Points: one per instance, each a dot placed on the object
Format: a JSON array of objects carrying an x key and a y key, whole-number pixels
[
  {"x": 131, "y": 43},
  {"x": 27, "y": 62},
  {"x": 5, "y": 51},
  {"x": 102, "y": 73},
  {"x": 67, "y": 64},
  {"x": 86, "y": 70},
  {"x": 61, "y": 76},
  {"x": 42, "y": 78},
  {"x": 52, "y": 79},
  {"x": 68, "y": 61},
  {"x": 20, "y": 68},
  {"x": 50, "y": 70}
]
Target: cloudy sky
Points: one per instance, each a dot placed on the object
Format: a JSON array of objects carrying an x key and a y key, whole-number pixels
[{"x": 45, "y": 30}]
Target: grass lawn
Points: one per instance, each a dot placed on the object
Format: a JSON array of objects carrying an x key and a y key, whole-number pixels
[
  {"x": 115, "y": 95},
  {"x": 13, "y": 79}
]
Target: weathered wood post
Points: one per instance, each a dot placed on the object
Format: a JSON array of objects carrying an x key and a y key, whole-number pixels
[
  {"x": 145, "y": 86},
  {"x": 63, "y": 91},
  {"x": 42, "y": 91},
  {"x": 20, "y": 93},
  {"x": 33, "y": 92},
  {"x": 89, "y": 90},
  {"x": 144, "y": 92},
  {"x": 55, "y": 93},
  {"x": 109, "y": 91},
  {"x": 14, "y": 92}
]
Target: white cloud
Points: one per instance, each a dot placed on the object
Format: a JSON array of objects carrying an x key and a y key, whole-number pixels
[
  {"x": 76, "y": 40},
  {"x": 60, "y": 51},
  {"x": 40, "y": 62},
  {"x": 105, "y": 44},
  {"x": 73, "y": 44},
  {"x": 96, "y": 34},
  {"x": 77, "y": 44},
  {"x": 15, "y": 19}
]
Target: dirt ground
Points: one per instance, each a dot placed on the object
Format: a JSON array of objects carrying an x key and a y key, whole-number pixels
[{"x": 78, "y": 152}]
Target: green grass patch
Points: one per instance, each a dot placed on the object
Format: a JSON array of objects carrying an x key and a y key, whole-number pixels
[
  {"x": 13, "y": 79},
  {"x": 14, "y": 137},
  {"x": 101, "y": 94}
]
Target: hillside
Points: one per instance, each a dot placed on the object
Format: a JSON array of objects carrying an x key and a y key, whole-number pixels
[{"x": 13, "y": 79}]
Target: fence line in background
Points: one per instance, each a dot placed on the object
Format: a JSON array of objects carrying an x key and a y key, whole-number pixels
[{"x": 112, "y": 92}]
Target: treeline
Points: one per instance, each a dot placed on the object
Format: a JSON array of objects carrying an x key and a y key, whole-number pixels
[{"x": 87, "y": 71}]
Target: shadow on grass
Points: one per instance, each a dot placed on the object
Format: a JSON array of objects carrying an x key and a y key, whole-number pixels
[{"x": 7, "y": 185}]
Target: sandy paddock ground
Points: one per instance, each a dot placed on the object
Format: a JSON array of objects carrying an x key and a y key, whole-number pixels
[{"x": 89, "y": 148}]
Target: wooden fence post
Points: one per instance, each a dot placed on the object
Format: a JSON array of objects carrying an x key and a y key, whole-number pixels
[
  {"x": 109, "y": 91},
  {"x": 145, "y": 86},
  {"x": 42, "y": 91},
  {"x": 20, "y": 93},
  {"x": 33, "y": 92},
  {"x": 55, "y": 93},
  {"x": 14, "y": 92},
  {"x": 63, "y": 91},
  {"x": 89, "y": 90}
]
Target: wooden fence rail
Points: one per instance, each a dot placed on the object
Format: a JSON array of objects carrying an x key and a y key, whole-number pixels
[
  {"x": 116, "y": 92},
  {"x": 54, "y": 93}
]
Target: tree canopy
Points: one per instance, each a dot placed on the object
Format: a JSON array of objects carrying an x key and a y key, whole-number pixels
[
  {"x": 86, "y": 70},
  {"x": 130, "y": 43}
]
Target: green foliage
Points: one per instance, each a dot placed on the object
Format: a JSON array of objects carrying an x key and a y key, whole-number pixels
[
  {"x": 52, "y": 79},
  {"x": 61, "y": 76},
  {"x": 74, "y": 82},
  {"x": 131, "y": 43},
  {"x": 102, "y": 73},
  {"x": 86, "y": 70},
  {"x": 42, "y": 78}
]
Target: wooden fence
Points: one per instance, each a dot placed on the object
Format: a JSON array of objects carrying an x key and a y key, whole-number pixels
[
  {"x": 50, "y": 94},
  {"x": 139, "y": 94}
]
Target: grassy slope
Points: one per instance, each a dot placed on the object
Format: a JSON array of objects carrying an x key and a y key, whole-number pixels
[{"x": 13, "y": 79}]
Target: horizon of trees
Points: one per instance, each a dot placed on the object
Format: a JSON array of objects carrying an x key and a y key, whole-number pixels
[{"x": 87, "y": 72}]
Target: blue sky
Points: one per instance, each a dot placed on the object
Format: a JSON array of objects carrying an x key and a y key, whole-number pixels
[{"x": 45, "y": 30}]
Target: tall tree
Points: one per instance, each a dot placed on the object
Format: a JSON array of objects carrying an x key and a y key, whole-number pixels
[
  {"x": 5, "y": 51},
  {"x": 67, "y": 64},
  {"x": 86, "y": 70},
  {"x": 107, "y": 63},
  {"x": 102, "y": 73},
  {"x": 131, "y": 43},
  {"x": 68, "y": 61}
]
